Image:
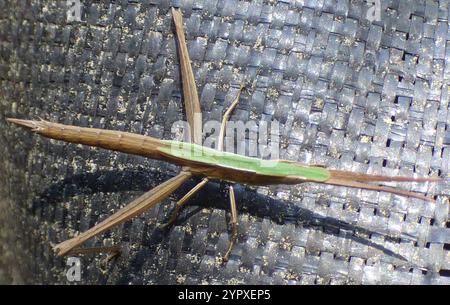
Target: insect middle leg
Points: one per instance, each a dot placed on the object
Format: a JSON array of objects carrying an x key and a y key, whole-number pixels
[
  {"x": 234, "y": 218},
  {"x": 182, "y": 201},
  {"x": 234, "y": 225}
]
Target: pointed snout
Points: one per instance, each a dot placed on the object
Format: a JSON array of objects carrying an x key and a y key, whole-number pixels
[{"x": 23, "y": 123}]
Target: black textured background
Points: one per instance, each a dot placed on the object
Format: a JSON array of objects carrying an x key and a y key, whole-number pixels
[{"x": 350, "y": 94}]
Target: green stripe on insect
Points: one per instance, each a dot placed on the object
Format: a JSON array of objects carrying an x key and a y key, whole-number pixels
[{"x": 205, "y": 155}]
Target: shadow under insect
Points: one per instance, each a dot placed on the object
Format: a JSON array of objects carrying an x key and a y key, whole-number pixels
[{"x": 211, "y": 196}]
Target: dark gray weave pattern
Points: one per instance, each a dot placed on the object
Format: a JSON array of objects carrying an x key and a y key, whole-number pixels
[{"x": 348, "y": 93}]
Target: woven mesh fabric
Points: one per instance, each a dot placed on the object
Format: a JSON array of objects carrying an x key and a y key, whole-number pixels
[{"x": 348, "y": 93}]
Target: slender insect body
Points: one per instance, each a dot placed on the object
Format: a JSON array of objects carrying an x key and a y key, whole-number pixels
[{"x": 216, "y": 164}]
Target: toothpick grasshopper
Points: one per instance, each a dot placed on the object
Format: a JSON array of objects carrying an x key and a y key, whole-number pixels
[{"x": 196, "y": 160}]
